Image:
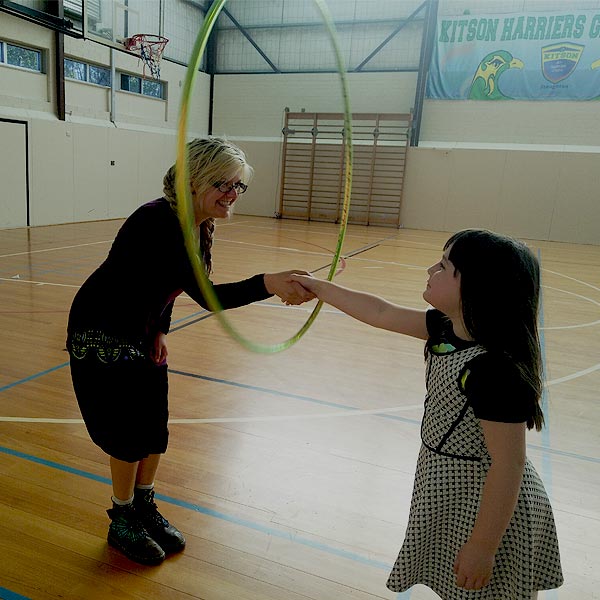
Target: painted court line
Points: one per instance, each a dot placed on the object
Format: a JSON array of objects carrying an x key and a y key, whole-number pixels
[
  {"x": 18, "y": 280},
  {"x": 546, "y": 460},
  {"x": 54, "y": 249},
  {"x": 8, "y": 595},
  {"x": 264, "y": 419},
  {"x": 544, "y": 448},
  {"x": 271, "y": 531}
]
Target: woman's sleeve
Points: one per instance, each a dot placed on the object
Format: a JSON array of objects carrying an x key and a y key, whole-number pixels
[
  {"x": 240, "y": 293},
  {"x": 165, "y": 318},
  {"x": 231, "y": 295}
]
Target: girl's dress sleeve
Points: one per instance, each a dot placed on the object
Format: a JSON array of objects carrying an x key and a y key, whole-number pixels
[{"x": 496, "y": 391}]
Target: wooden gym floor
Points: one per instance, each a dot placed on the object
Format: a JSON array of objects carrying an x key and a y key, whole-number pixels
[{"x": 290, "y": 474}]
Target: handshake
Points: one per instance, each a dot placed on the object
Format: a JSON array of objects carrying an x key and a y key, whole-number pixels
[{"x": 293, "y": 287}]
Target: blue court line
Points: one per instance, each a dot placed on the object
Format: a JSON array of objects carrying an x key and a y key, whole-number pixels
[
  {"x": 546, "y": 461},
  {"x": 267, "y": 390},
  {"x": 255, "y": 388},
  {"x": 192, "y": 316},
  {"x": 549, "y": 451},
  {"x": 61, "y": 366},
  {"x": 32, "y": 377},
  {"x": 8, "y": 595},
  {"x": 286, "y": 535},
  {"x": 546, "y": 450},
  {"x": 546, "y": 466},
  {"x": 54, "y": 465}
]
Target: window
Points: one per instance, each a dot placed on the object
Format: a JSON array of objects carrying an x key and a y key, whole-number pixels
[
  {"x": 129, "y": 83},
  {"x": 139, "y": 85},
  {"x": 99, "y": 75},
  {"x": 81, "y": 71},
  {"x": 152, "y": 88},
  {"x": 18, "y": 56},
  {"x": 75, "y": 70}
]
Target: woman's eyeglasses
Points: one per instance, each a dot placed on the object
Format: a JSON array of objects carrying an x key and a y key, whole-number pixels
[{"x": 225, "y": 187}]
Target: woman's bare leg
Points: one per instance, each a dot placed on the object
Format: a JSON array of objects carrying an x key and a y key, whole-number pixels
[
  {"x": 123, "y": 478},
  {"x": 147, "y": 468},
  {"x": 168, "y": 536}
]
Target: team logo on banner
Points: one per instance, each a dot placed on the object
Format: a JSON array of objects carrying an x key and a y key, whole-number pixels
[
  {"x": 560, "y": 60},
  {"x": 485, "y": 84}
]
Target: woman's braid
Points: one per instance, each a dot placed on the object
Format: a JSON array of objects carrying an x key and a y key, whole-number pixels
[{"x": 207, "y": 231}]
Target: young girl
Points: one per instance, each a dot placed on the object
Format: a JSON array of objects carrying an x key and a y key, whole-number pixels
[{"x": 480, "y": 524}]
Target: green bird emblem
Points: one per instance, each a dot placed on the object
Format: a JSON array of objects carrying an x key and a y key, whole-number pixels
[{"x": 485, "y": 82}]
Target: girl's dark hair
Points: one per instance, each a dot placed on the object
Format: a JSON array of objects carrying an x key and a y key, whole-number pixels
[{"x": 500, "y": 293}]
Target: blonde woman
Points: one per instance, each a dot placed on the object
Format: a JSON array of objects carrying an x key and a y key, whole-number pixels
[{"x": 117, "y": 331}]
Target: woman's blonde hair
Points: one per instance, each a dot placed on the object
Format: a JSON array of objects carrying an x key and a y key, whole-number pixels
[{"x": 210, "y": 160}]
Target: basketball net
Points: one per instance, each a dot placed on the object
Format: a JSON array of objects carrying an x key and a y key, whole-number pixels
[{"x": 150, "y": 48}]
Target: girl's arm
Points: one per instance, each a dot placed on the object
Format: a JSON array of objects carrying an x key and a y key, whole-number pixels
[
  {"x": 506, "y": 445},
  {"x": 368, "y": 308}
]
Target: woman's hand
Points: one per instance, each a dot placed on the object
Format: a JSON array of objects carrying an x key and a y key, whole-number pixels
[
  {"x": 158, "y": 352},
  {"x": 289, "y": 291},
  {"x": 473, "y": 566}
]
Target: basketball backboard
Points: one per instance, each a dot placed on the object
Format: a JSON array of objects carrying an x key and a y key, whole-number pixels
[{"x": 113, "y": 21}]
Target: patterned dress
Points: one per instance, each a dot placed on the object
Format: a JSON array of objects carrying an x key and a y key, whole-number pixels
[{"x": 450, "y": 474}]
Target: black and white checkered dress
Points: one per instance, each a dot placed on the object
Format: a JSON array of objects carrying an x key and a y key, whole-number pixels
[{"x": 451, "y": 470}]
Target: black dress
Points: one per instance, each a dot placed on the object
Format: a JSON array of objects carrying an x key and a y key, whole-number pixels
[
  {"x": 466, "y": 383},
  {"x": 114, "y": 320}
]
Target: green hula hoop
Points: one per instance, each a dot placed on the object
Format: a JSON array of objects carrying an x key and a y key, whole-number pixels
[{"x": 184, "y": 204}]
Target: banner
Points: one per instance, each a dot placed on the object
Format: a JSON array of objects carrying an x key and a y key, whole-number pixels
[{"x": 522, "y": 56}]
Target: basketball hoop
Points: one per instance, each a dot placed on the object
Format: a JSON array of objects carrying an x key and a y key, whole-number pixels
[{"x": 150, "y": 48}]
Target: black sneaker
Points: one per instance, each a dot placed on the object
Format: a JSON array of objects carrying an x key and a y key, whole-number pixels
[
  {"x": 168, "y": 536},
  {"x": 127, "y": 534}
]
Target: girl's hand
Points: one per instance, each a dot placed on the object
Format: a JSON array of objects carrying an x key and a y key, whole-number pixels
[
  {"x": 473, "y": 566},
  {"x": 158, "y": 352},
  {"x": 307, "y": 281},
  {"x": 290, "y": 291},
  {"x": 506, "y": 445}
]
